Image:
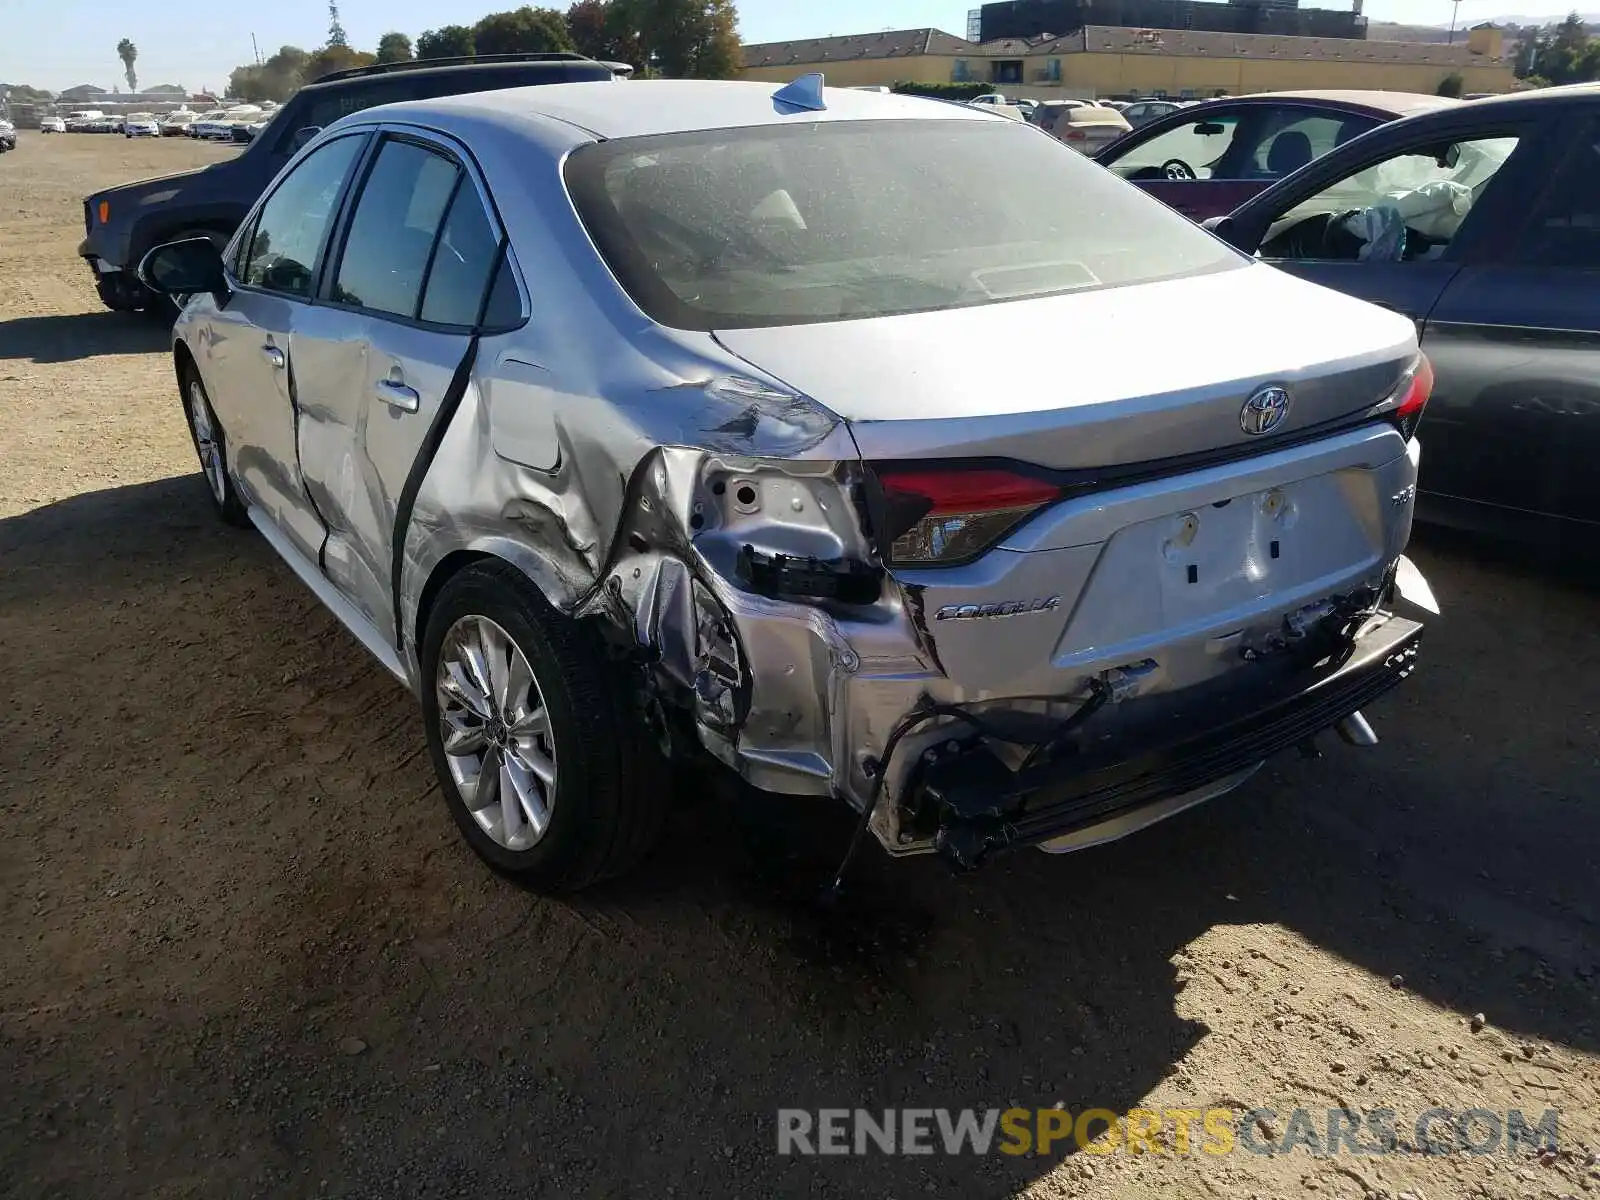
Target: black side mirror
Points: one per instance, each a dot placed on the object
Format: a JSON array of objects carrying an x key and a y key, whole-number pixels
[
  {"x": 1228, "y": 230},
  {"x": 184, "y": 268},
  {"x": 303, "y": 135}
]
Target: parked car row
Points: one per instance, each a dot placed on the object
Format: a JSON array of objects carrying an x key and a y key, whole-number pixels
[{"x": 237, "y": 123}]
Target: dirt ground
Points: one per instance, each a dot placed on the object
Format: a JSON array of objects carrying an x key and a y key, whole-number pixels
[{"x": 243, "y": 951}]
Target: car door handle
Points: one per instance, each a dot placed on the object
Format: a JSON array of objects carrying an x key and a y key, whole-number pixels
[
  {"x": 398, "y": 395},
  {"x": 273, "y": 355}
]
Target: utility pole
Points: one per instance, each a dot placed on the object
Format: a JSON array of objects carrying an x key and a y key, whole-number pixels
[
  {"x": 255, "y": 49},
  {"x": 1455, "y": 13}
]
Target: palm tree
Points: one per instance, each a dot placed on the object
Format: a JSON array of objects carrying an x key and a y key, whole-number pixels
[{"x": 128, "y": 52}]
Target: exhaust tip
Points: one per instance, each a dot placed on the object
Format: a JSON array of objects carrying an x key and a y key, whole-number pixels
[{"x": 1356, "y": 730}]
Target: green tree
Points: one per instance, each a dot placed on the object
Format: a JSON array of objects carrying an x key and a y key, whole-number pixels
[
  {"x": 129, "y": 53},
  {"x": 275, "y": 79},
  {"x": 450, "y": 41},
  {"x": 333, "y": 58},
  {"x": 336, "y": 35},
  {"x": 686, "y": 39},
  {"x": 1562, "y": 53},
  {"x": 523, "y": 30},
  {"x": 1589, "y": 64},
  {"x": 600, "y": 29},
  {"x": 586, "y": 26},
  {"x": 394, "y": 47},
  {"x": 1451, "y": 85}
]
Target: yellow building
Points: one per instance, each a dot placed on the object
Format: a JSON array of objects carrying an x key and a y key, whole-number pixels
[{"x": 1105, "y": 60}]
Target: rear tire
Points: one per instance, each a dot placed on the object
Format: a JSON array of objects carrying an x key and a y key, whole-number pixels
[
  {"x": 575, "y": 792},
  {"x": 211, "y": 448}
]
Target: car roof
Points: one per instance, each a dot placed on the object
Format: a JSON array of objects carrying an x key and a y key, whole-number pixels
[
  {"x": 1399, "y": 104},
  {"x": 1565, "y": 94},
  {"x": 640, "y": 108}
]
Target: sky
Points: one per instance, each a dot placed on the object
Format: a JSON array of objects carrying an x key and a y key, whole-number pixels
[{"x": 56, "y": 44}]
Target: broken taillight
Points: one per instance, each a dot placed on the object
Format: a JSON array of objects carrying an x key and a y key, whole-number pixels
[
  {"x": 937, "y": 516},
  {"x": 1412, "y": 395}
]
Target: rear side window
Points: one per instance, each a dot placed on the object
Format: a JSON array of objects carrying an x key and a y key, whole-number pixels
[
  {"x": 1566, "y": 230},
  {"x": 462, "y": 263},
  {"x": 1291, "y": 140},
  {"x": 838, "y": 220},
  {"x": 394, "y": 228},
  {"x": 504, "y": 307},
  {"x": 327, "y": 107}
]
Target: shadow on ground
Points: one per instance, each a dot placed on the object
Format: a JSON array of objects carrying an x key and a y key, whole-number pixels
[
  {"x": 226, "y": 858},
  {"x": 58, "y": 339}
]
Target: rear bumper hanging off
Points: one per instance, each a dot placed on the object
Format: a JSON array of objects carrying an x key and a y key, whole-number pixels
[{"x": 1113, "y": 785}]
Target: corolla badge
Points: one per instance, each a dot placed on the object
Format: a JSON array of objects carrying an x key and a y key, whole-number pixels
[
  {"x": 1006, "y": 608},
  {"x": 1265, "y": 410}
]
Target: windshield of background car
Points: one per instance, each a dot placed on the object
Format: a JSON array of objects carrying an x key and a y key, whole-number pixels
[{"x": 830, "y": 221}]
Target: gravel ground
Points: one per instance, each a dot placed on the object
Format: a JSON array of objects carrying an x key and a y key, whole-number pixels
[{"x": 243, "y": 952}]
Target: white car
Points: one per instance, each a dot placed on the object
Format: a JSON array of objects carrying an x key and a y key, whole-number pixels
[
  {"x": 83, "y": 120},
  {"x": 1082, "y": 124},
  {"x": 52, "y": 125},
  {"x": 176, "y": 124},
  {"x": 141, "y": 125},
  {"x": 213, "y": 124},
  {"x": 219, "y": 125}
]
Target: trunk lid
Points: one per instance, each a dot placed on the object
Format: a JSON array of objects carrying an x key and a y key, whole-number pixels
[
  {"x": 1095, "y": 378},
  {"x": 1191, "y": 566}
]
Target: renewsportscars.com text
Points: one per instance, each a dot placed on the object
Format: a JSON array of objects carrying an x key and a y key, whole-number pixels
[{"x": 1214, "y": 1131}]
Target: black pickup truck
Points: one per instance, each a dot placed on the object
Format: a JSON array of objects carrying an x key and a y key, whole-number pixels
[{"x": 121, "y": 223}]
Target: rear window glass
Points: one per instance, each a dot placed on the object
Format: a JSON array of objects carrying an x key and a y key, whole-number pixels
[{"x": 832, "y": 221}]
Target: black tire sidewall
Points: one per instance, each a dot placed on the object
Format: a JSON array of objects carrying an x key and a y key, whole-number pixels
[{"x": 578, "y": 816}]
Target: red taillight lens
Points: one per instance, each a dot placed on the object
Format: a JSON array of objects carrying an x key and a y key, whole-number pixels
[
  {"x": 1076, "y": 135},
  {"x": 1413, "y": 393},
  {"x": 937, "y": 517}
]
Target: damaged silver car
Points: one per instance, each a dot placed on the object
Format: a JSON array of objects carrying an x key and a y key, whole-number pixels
[{"x": 848, "y": 439}]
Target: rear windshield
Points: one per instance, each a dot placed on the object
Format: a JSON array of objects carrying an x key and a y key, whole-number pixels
[{"x": 831, "y": 221}]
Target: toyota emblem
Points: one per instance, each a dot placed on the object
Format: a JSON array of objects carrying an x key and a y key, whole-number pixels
[{"x": 1265, "y": 410}]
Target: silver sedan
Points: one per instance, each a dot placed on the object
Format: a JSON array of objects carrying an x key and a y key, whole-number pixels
[{"x": 815, "y": 432}]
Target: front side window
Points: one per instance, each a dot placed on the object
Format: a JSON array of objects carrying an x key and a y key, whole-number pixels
[
  {"x": 840, "y": 220},
  {"x": 293, "y": 223},
  {"x": 392, "y": 233},
  {"x": 1405, "y": 208},
  {"x": 1192, "y": 150}
]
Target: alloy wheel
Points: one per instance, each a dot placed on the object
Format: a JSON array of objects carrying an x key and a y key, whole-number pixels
[
  {"x": 205, "y": 441},
  {"x": 496, "y": 732}
]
